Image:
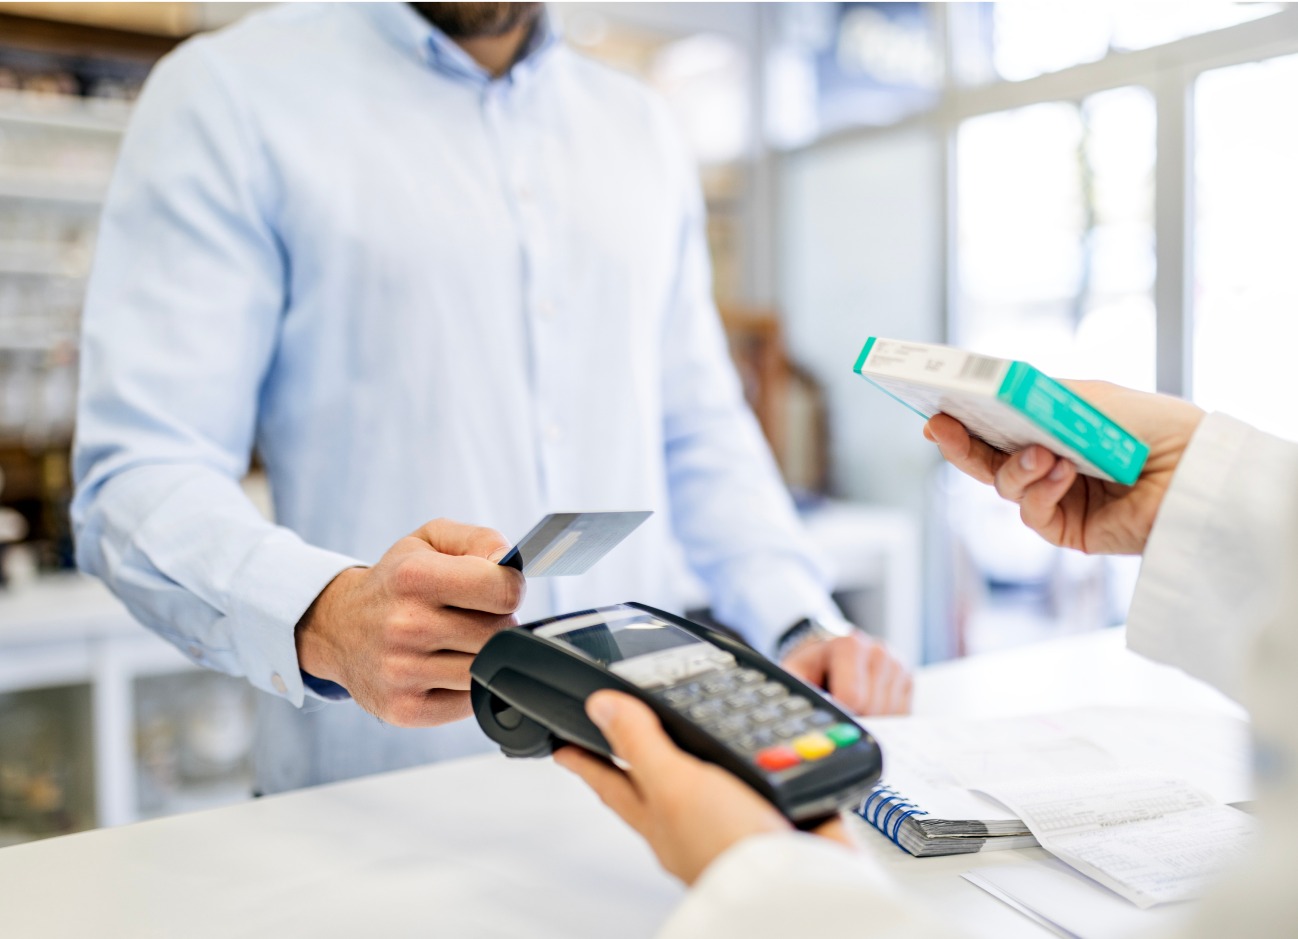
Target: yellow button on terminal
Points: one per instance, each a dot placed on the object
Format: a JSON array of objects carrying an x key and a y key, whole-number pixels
[{"x": 813, "y": 746}]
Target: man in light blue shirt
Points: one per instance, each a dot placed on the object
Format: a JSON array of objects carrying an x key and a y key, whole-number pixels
[{"x": 426, "y": 277}]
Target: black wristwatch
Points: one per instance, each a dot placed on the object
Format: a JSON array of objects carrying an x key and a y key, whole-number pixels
[{"x": 808, "y": 628}]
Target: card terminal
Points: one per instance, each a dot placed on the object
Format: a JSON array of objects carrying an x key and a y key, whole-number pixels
[{"x": 716, "y": 697}]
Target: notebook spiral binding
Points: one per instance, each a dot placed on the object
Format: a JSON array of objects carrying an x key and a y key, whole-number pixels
[{"x": 883, "y": 798}]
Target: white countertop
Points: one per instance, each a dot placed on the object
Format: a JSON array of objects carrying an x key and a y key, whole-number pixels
[{"x": 494, "y": 847}]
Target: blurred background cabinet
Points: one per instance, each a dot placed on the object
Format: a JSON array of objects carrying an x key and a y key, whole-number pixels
[
  {"x": 69, "y": 653},
  {"x": 104, "y": 723}
]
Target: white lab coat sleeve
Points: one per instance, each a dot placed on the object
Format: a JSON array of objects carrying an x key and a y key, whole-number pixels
[
  {"x": 730, "y": 508},
  {"x": 181, "y": 323},
  {"x": 798, "y": 885},
  {"x": 1216, "y": 552}
]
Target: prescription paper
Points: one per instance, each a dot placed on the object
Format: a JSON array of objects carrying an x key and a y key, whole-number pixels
[
  {"x": 1153, "y": 838},
  {"x": 1073, "y": 905}
]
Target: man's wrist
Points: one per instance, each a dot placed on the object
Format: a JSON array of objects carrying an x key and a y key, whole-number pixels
[
  {"x": 811, "y": 629},
  {"x": 311, "y": 635}
]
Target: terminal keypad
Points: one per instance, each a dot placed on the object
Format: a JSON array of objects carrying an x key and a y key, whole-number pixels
[{"x": 760, "y": 719}]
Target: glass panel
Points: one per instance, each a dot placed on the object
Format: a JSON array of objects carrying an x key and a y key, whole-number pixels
[
  {"x": 1246, "y": 237},
  {"x": 1055, "y": 254},
  {"x": 1020, "y": 216},
  {"x": 617, "y": 633},
  {"x": 1030, "y": 38},
  {"x": 46, "y": 763},
  {"x": 1056, "y": 242},
  {"x": 1148, "y": 24},
  {"x": 193, "y": 739}
]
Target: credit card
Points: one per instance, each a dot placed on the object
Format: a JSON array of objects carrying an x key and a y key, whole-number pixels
[{"x": 568, "y": 543}]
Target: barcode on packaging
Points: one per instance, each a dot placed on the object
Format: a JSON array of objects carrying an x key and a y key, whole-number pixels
[
  {"x": 934, "y": 365},
  {"x": 980, "y": 368}
]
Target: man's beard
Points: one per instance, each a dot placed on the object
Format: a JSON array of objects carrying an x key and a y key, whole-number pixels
[{"x": 470, "y": 20}]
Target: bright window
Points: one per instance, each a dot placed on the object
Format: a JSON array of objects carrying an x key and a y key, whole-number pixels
[
  {"x": 1054, "y": 206},
  {"x": 1245, "y": 243},
  {"x": 1032, "y": 38}
]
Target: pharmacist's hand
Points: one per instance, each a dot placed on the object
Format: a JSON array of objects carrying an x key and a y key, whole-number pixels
[
  {"x": 400, "y": 635},
  {"x": 855, "y": 669},
  {"x": 1065, "y": 507},
  {"x": 688, "y": 810}
]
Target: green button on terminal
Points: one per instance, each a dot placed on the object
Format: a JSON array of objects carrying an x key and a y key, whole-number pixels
[{"x": 844, "y": 735}]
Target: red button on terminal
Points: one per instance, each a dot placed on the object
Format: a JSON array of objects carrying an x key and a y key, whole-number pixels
[{"x": 774, "y": 759}]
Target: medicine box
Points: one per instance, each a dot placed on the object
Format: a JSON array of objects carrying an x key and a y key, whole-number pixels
[{"x": 1009, "y": 404}]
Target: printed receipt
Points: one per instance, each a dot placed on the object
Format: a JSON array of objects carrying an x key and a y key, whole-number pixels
[{"x": 1150, "y": 837}]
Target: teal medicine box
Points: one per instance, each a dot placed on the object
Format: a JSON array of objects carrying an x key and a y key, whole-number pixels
[{"x": 1009, "y": 404}]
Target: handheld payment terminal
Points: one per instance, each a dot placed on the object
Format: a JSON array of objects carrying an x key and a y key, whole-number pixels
[{"x": 716, "y": 698}]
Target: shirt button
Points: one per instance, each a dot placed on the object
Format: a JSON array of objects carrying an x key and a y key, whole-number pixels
[
  {"x": 278, "y": 683},
  {"x": 545, "y": 309},
  {"x": 553, "y": 433},
  {"x": 195, "y": 652},
  {"x": 525, "y": 193}
]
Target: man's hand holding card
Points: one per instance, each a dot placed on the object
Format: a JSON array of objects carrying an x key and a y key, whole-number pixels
[{"x": 399, "y": 636}]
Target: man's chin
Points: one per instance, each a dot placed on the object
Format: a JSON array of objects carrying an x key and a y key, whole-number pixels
[{"x": 473, "y": 20}]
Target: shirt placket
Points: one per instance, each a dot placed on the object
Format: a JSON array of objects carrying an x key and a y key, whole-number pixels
[{"x": 523, "y": 179}]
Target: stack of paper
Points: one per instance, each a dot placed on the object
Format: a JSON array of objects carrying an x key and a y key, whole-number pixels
[
  {"x": 1148, "y": 837},
  {"x": 929, "y": 800},
  {"x": 1072, "y": 905}
]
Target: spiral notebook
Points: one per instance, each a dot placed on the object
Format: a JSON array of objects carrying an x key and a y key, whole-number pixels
[
  {"x": 915, "y": 830},
  {"x": 926, "y": 802}
]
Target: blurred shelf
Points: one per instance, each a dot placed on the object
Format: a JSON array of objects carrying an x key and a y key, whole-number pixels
[
  {"x": 52, "y": 190},
  {"x": 43, "y": 259},
  {"x": 120, "y": 33},
  {"x": 19, "y": 344},
  {"x": 68, "y": 118}
]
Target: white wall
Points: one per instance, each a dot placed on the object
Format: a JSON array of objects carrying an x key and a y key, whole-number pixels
[{"x": 861, "y": 255}]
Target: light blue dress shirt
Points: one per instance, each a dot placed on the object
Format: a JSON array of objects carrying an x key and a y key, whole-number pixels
[{"x": 418, "y": 292}]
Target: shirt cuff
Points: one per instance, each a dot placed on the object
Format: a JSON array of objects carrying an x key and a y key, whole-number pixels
[
  {"x": 277, "y": 584},
  {"x": 777, "y": 593},
  {"x": 794, "y": 884}
]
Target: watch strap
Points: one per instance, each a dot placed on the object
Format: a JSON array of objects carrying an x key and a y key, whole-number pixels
[{"x": 807, "y": 629}]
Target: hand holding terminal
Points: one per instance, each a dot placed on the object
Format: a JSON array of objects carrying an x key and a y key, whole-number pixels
[{"x": 689, "y": 811}]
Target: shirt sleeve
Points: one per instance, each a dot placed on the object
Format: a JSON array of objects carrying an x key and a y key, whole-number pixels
[
  {"x": 1216, "y": 552},
  {"x": 798, "y": 885},
  {"x": 180, "y": 326},
  {"x": 730, "y": 508}
]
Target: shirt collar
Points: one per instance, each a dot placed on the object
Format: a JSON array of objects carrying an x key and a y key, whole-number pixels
[{"x": 403, "y": 26}]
